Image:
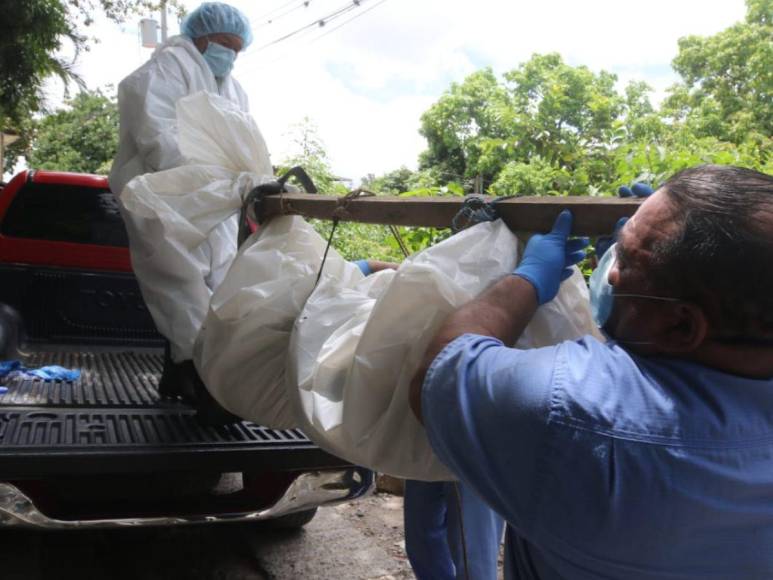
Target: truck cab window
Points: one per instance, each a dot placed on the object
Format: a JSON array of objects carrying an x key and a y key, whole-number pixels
[{"x": 65, "y": 213}]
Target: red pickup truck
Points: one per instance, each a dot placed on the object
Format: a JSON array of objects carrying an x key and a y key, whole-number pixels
[{"x": 107, "y": 450}]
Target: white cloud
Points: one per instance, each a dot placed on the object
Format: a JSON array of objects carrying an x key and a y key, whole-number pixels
[{"x": 367, "y": 83}]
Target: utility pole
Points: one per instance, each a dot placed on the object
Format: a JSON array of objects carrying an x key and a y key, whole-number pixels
[{"x": 163, "y": 21}]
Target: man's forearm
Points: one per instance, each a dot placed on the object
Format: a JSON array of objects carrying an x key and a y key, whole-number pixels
[{"x": 502, "y": 312}]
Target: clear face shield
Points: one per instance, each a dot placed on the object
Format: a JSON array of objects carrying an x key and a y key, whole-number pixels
[{"x": 602, "y": 293}]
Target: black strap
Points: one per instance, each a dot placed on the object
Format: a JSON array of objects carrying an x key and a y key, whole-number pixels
[{"x": 256, "y": 196}]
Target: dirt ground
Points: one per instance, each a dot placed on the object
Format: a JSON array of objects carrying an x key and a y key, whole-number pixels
[{"x": 360, "y": 540}]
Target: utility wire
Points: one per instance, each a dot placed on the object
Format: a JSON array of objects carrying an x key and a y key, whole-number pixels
[
  {"x": 315, "y": 39},
  {"x": 345, "y": 22},
  {"x": 301, "y": 5},
  {"x": 320, "y": 22},
  {"x": 277, "y": 9}
]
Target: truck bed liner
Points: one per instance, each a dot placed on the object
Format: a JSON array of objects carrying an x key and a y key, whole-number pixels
[
  {"x": 108, "y": 379},
  {"x": 112, "y": 420}
]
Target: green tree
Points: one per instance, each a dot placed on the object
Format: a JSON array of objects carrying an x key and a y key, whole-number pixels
[
  {"x": 455, "y": 126},
  {"x": 548, "y": 128},
  {"x": 721, "y": 111},
  {"x": 81, "y": 137},
  {"x": 29, "y": 42},
  {"x": 727, "y": 80},
  {"x": 393, "y": 182},
  {"x": 32, "y": 34},
  {"x": 545, "y": 109},
  {"x": 561, "y": 110}
]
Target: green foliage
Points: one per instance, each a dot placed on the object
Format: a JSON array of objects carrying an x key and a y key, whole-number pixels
[
  {"x": 310, "y": 153},
  {"x": 548, "y": 128},
  {"x": 116, "y": 10},
  {"x": 537, "y": 177},
  {"x": 416, "y": 239},
  {"x": 727, "y": 79},
  {"x": 32, "y": 33},
  {"x": 544, "y": 110},
  {"x": 393, "y": 182},
  {"x": 81, "y": 137},
  {"x": 356, "y": 241},
  {"x": 455, "y": 125},
  {"x": 654, "y": 163}
]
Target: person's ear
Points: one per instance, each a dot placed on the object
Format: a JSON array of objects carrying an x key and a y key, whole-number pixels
[{"x": 682, "y": 329}]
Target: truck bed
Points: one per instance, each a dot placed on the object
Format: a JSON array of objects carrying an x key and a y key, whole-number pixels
[{"x": 112, "y": 420}]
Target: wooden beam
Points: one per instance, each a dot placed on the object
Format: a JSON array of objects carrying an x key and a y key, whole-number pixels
[{"x": 592, "y": 215}]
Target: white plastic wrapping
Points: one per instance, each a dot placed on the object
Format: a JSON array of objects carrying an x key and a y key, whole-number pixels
[
  {"x": 355, "y": 347},
  {"x": 182, "y": 222},
  {"x": 242, "y": 349},
  {"x": 337, "y": 359}
]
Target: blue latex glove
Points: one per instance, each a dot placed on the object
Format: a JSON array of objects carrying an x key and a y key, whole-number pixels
[
  {"x": 638, "y": 189},
  {"x": 7, "y": 367},
  {"x": 364, "y": 267},
  {"x": 15, "y": 368},
  {"x": 55, "y": 373},
  {"x": 548, "y": 258}
]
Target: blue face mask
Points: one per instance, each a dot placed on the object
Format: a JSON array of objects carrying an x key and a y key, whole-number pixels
[
  {"x": 220, "y": 59},
  {"x": 602, "y": 293}
]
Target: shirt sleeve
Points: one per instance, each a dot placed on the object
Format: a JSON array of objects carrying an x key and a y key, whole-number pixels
[{"x": 486, "y": 409}]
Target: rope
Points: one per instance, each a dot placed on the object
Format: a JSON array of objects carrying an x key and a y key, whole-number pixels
[
  {"x": 474, "y": 210},
  {"x": 399, "y": 238},
  {"x": 327, "y": 249},
  {"x": 339, "y": 213}
]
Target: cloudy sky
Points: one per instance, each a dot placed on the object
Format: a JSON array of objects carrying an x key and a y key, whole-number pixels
[{"x": 366, "y": 77}]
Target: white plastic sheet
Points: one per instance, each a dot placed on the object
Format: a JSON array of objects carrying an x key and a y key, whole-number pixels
[
  {"x": 242, "y": 349},
  {"x": 182, "y": 222},
  {"x": 356, "y": 346}
]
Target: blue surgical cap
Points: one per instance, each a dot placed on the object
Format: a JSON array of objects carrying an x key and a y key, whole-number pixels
[{"x": 217, "y": 18}]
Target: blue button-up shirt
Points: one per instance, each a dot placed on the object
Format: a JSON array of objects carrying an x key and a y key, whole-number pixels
[{"x": 606, "y": 464}]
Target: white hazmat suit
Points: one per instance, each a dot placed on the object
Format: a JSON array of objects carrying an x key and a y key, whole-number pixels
[
  {"x": 147, "y": 100},
  {"x": 149, "y": 143}
]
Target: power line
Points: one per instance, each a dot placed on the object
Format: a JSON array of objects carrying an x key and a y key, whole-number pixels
[
  {"x": 302, "y": 5},
  {"x": 286, "y": 54},
  {"x": 345, "y": 22},
  {"x": 277, "y": 9},
  {"x": 320, "y": 22}
]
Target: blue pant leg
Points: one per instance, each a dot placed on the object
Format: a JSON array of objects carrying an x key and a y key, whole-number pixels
[
  {"x": 426, "y": 541},
  {"x": 482, "y": 530}
]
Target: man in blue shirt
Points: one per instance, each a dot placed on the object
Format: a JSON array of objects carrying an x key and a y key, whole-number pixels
[{"x": 650, "y": 455}]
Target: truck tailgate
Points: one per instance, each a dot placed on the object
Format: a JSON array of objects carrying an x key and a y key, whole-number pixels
[{"x": 112, "y": 420}]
